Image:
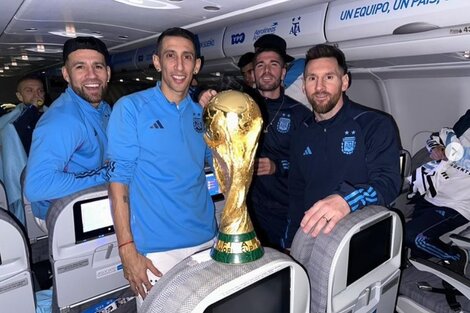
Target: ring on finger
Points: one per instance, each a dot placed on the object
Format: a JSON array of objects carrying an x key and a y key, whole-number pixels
[{"x": 326, "y": 218}]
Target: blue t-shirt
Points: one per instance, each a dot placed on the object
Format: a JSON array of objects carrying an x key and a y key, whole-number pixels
[{"x": 157, "y": 149}]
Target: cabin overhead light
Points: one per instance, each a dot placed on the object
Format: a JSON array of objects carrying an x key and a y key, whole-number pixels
[
  {"x": 64, "y": 33},
  {"x": 6, "y": 67},
  {"x": 30, "y": 58},
  {"x": 13, "y": 63},
  {"x": 137, "y": 79},
  {"x": 121, "y": 80},
  {"x": 70, "y": 30},
  {"x": 42, "y": 49},
  {"x": 211, "y": 8},
  {"x": 149, "y": 78},
  {"x": 149, "y": 4},
  {"x": 123, "y": 37},
  {"x": 31, "y": 29},
  {"x": 466, "y": 54},
  {"x": 1, "y": 70}
]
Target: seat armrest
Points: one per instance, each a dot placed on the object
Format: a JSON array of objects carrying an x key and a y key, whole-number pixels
[
  {"x": 461, "y": 241},
  {"x": 459, "y": 282}
]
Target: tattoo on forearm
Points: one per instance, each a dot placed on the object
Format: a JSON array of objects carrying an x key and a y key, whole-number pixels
[{"x": 125, "y": 199}]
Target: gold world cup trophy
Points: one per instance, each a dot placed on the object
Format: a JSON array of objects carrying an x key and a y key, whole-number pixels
[{"x": 233, "y": 123}]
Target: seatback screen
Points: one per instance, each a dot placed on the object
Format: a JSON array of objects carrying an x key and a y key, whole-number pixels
[
  {"x": 213, "y": 186},
  {"x": 269, "y": 295},
  {"x": 369, "y": 248},
  {"x": 92, "y": 219}
]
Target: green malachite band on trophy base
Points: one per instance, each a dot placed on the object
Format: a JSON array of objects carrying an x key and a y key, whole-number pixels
[
  {"x": 223, "y": 252},
  {"x": 237, "y": 237}
]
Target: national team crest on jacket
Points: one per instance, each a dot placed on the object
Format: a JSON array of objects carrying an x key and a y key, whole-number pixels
[
  {"x": 349, "y": 142},
  {"x": 283, "y": 125},
  {"x": 197, "y": 123}
]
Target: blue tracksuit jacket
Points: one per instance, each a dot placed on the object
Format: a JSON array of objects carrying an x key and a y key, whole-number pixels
[
  {"x": 354, "y": 154},
  {"x": 158, "y": 150},
  {"x": 67, "y": 151}
]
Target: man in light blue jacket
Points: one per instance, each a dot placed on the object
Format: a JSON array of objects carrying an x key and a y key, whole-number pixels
[
  {"x": 69, "y": 142},
  {"x": 161, "y": 206}
]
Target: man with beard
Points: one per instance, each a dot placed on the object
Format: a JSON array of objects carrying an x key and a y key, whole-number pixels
[
  {"x": 268, "y": 199},
  {"x": 162, "y": 209},
  {"x": 346, "y": 156},
  {"x": 69, "y": 142}
]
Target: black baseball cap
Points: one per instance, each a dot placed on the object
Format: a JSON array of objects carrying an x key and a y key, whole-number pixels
[
  {"x": 272, "y": 42},
  {"x": 245, "y": 59},
  {"x": 78, "y": 43}
]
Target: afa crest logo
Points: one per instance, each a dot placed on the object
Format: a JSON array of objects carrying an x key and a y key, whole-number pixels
[
  {"x": 283, "y": 125},
  {"x": 349, "y": 142},
  {"x": 198, "y": 125}
]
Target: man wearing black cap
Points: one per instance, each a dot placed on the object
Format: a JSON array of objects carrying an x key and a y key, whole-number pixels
[
  {"x": 268, "y": 198},
  {"x": 68, "y": 148},
  {"x": 272, "y": 41}
]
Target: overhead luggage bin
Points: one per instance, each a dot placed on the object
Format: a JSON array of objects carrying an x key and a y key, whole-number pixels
[
  {"x": 210, "y": 44},
  {"x": 371, "y": 18},
  {"x": 368, "y": 29},
  {"x": 300, "y": 28}
]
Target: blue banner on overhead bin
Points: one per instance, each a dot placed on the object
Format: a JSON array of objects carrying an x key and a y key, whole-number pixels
[
  {"x": 371, "y": 18},
  {"x": 211, "y": 44},
  {"x": 300, "y": 28}
]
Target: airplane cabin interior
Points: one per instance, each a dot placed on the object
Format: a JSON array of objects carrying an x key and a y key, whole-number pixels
[{"x": 407, "y": 58}]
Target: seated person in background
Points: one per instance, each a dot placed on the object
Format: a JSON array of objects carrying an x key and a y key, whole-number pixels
[
  {"x": 345, "y": 157},
  {"x": 16, "y": 130},
  {"x": 69, "y": 142},
  {"x": 442, "y": 196},
  {"x": 30, "y": 91}
]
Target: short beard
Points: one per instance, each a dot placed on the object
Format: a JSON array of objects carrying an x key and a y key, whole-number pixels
[
  {"x": 268, "y": 87},
  {"x": 323, "y": 109},
  {"x": 85, "y": 96}
]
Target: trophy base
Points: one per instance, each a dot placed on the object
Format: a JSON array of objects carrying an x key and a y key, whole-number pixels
[{"x": 237, "y": 249}]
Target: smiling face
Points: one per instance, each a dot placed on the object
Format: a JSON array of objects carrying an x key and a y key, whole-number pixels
[
  {"x": 324, "y": 83},
  {"x": 177, "y": 62},
  {"x": 269, "y": 73},
  {"x": 87, "y": 74}
]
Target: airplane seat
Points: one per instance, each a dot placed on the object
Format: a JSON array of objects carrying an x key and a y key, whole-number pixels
[
  {"x": 272, "y": 284},
  {"x": 421, "y": 279},
  {"x": 37, "y": 236},
  {"x": 83, "y": 249},
  {"x": 16, "y": 286},
  {"x": 421, "y": 288},
  {"x": 356, "y": 267},
  {"x": 13, "y": 160},
  {"x": 405, "y": 168},
  {"x": 408, "y": 165},
  {"x": 3, "y": 197}
]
